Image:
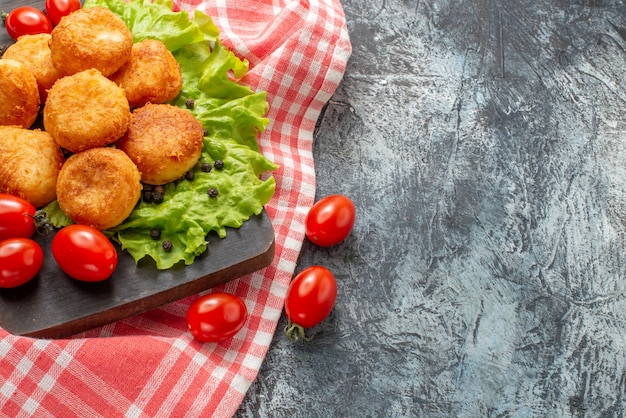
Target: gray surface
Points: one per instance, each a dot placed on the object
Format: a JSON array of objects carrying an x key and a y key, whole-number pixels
[{"x": 483, "y": 143}]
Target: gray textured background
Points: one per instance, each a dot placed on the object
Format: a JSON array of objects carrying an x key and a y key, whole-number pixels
[{"x": 483, "y": 143}]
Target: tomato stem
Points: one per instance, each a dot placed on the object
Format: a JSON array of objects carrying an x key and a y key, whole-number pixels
[{"x": 295, "y": 332}]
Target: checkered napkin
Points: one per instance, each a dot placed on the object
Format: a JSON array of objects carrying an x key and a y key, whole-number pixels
[{"x": 149, "y": 365}]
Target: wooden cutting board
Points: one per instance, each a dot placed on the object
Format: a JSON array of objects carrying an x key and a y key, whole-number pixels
[{"x": 53, "y": 305}]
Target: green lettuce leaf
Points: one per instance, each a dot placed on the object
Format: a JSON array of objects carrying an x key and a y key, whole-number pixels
[
  {"x": 232, "y": 115},
  {"x": 155, "y": 20}
]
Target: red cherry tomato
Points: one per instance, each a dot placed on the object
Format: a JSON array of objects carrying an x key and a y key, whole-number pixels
[
  {"x": 26, "y": 20},
  {"x": 330, "y": 220},
  {"x": 310, "y": 298},
  {"x": 56, "y": 9},
  {"x": 84, "y": 253},
  {"x": 216, "y": 317},
  {"x": 20, "y": 261},
  {"x": 17, "y": 217}
]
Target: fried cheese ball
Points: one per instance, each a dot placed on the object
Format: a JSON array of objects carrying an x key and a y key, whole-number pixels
[
  {"x": 164, "y": 141},
  {"x": 86, "y": 110},
  {"x": 98, "y": 187},
  {"x": 33, "y": 51},
  {"x": 90, "y": 38},
  {"x": 19, "y": 94},
  {"x": 151, "y": 75},
  {"x": 30, "y": 162}
]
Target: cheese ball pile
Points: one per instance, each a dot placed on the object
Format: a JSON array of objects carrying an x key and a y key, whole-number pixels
[{"x": 106, "y": 125}]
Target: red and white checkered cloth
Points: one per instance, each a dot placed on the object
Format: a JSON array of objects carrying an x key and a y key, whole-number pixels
[{"x": 149, "y": 365}]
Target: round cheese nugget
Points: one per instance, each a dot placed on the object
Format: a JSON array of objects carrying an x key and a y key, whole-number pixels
[
  {"x": 19, "y": 94},
  {"x": 30, "y": 162},
  {"x": 98, "y": 187},
  {"x": 151, "y": 75},
  {"x": 90, "y": 38},
  {"x": 164, "y": 141},
  {"x": 86, "y": 110},
  {"x": 33, "y": 51}
]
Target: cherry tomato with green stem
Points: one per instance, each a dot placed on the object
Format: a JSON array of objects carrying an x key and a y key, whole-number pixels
[
  {"x": 57, "y": 9},
  {"x": 310, "y": 299},
  {"x": 17, "y": 217},
  {"x": 216, "y": 317},
  {"x": 330, "y": 220},
  {"x": 84, "y": 253},
  {"x": 26, "y": 20},
  {"x": 20, "y": 261}
]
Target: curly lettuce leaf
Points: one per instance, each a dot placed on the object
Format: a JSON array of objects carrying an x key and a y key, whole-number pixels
[{"x": 232, "y": 115}]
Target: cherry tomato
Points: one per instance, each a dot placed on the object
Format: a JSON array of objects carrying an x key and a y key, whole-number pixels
[
  {"x": 310, "y": 298},
  {"x": 26, "y": 20},
  {"x": 56, "y": 9},
  {"x": 84, "y": 253},
  {"x": 20, "y": 261},
  {"x": 17, "y": 217},
  {"x": 216, "y": 317},
  {"x": 330, "y": 220}
]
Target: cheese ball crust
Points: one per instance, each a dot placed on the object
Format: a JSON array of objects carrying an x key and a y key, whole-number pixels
[
  {"x": 90, "y": 38},
  {"x": 86, "y": 110},
  {"x": 19, "y": 94},
  {"x": 33, "y": 51},
  {"x": 151, "y": 75},
  {"x": 164, "y": 142},
  {"x": 98, "y": 187},
  {"x": 30, "y": 162}
]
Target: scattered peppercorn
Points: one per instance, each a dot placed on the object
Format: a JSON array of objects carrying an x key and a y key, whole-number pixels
[
  {"x": 42, "y": 223},
  {"x": 206, "y": 167},
  {"x": 147, "y": 196},
  {"x": 159, "y": 189},
  {"x": 218, "y": 164},
  {"x": 205, "y": 131},
  {"x": 212, "y": 192},
  {"x": 157, "y": 197},
  {"x": 189, "y": 175},
  {"x": 189, "y": 104},
  {"x": 155, "y": 233},
  {"x": 167, "y": 245}
]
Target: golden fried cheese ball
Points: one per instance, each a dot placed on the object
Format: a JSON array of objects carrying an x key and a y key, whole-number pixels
[
  {"x": 30, "y": 162},
  {"x": 19, "y": 94},
  {"x": 164, "y": 141},
  {"x": 86, "y": 110},
  {"x": 90, "y": 38},
  {"x": 151, "y": 75},
  {"x": 98, "y": 187},
  {"x": 33, "y": 51}
]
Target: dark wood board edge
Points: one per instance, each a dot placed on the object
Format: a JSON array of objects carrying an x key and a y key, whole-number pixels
[{"x": 156, "y": 300}]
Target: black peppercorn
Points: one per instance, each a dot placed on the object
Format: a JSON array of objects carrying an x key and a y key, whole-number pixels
[
  {"x": 155, "y": 233},
  {"x": 147, "y": 196},
  {"x": 206, "y": 167},
  {"x": 189, "y": 104},
  {"x": 189, "y": 175},
  {"x": 167, "y": 245},
  {"x": 157, "y": 197},
  {"x": 212, "y": 192},
  {"x": 219, "y": 164}
]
